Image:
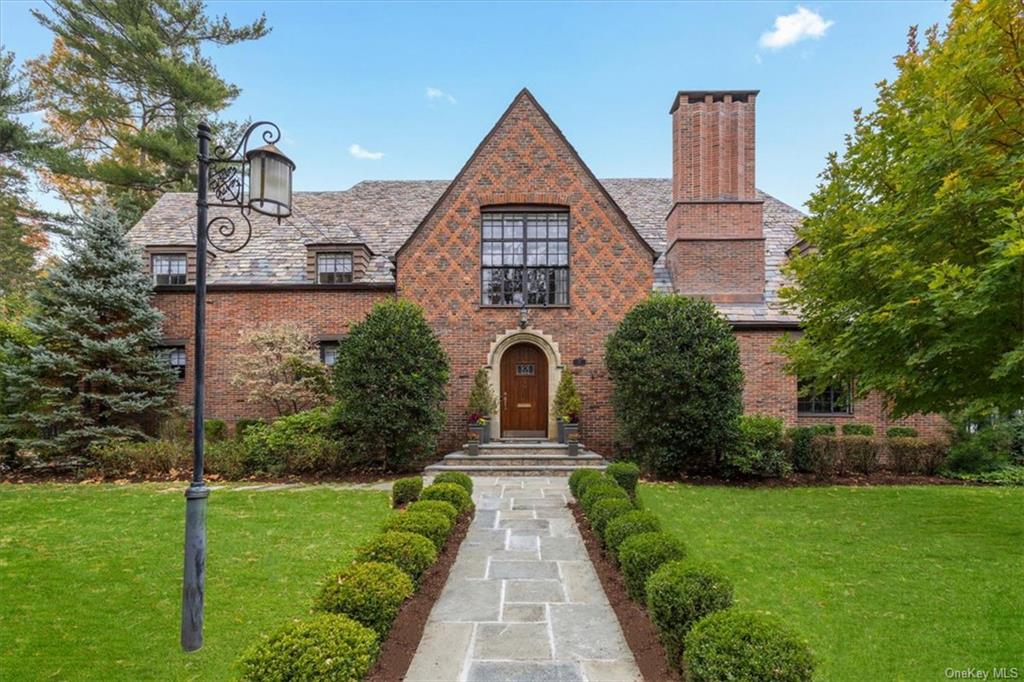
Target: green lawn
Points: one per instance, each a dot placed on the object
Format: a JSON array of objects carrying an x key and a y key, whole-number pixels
[
  {"x": 887, "y": 583},
  {"x": 90, "y": 575}
]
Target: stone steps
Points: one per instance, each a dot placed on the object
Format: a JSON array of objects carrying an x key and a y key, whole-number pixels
[{"x": 519, "y": 459}]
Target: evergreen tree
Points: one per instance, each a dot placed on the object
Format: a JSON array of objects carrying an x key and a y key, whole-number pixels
[
  {"x": 123, "y": 89},
  {"x": 567, "y": 400},
  {"x": 92, "y": 373},
  {"x": 481, "y": 398}
]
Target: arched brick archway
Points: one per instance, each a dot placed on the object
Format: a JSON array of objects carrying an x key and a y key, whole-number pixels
[{"x": 547, "y": 345}]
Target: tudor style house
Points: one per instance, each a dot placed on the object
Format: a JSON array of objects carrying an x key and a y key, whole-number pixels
[{"x": 523, "y": 264}]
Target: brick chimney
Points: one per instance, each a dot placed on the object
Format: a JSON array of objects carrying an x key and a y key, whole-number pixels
[{"x": 715, "y": 245}]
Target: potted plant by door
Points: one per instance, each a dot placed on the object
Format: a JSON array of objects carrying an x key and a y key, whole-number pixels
[
  {"x": 573, "y": 439},
  {"x": 567, "y": 405},
  {"x": 482, "y": 403},
  {"x": 477, "y": 427}
]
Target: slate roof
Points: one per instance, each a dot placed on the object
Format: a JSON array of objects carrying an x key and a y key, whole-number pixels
[{"x": 383, "y": 213}]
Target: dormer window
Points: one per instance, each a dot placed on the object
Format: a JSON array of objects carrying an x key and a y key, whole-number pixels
[
  {"x": 169, "y": 268},
  {"x": 333, "y": 268}
]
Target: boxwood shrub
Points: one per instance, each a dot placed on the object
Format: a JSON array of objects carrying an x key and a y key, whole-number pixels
[
  {"x": 642, "y": 554},
  {"x": 431, "y": 525},
  {"x": 857, "y": 429},
  {"x": 630, "y": 523},
  {"x": 862, "y": 454},
  {"x": 448, "y": 492},
  {"x": 370, "y": 592},
  {"x": 456, "y": 477},
  {"x": 742, "y": 645},
  {"x": 406, "y": 490},
  {"x": 606, "y": 509},
  {"x": 679, "y": 594},
  {"x": 901, "y": 432},
  {"x": 625, "y": 474},
  {"x": 446, "y": 509},
  {"x": 577, "y": 477},
  {"x": 411, "y": 552},
  {"x": 326, "y": 646},
  {"x": 601, "y": 491},
  {"x": 800, "y": 444},
  {"x": 913, "y": 455}
]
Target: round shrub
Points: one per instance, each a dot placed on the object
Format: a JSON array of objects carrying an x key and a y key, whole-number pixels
[
  {"x": 448, "y": 492},
  {"x": 456, "y": 477},
  {"x": 642, "y": 554},
  {"x": 446, "y": 509},
  {"x": 431, "y": 525},
  {"x": 600, "y": 491},
  {"x": 675, "y": 369},
  {"x": 369, "y": 592},
  {"x": 741, "y": 645},
  {"x": 577, "y": 478},
  {"x": 325, "y": 646},
  {"x": 606, "y": 509},
  {"x": 901, "y": 432},
  {"x": 625, "y": 474},
  {"x": 411, "y": 552},
  {"x": 630, "y": 523},
  {"x": 406, "y": 490},
  {"x": 679, "y": 594}
]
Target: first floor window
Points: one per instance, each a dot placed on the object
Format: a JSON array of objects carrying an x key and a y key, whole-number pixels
[
  {"x": 329, "y": 352},
  {"x": 169, "y": 268},
  {"x": 333, "y": 268},
  {"x": 175, "y": 357},
  {"x": 524, "y": 258},
  {"x": 834, "y": 399}
]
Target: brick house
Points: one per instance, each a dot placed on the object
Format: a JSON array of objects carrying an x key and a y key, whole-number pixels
[{"x": 525, "y": 220}]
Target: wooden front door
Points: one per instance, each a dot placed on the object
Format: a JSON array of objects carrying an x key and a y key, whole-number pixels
[{"x": 524, "y": 392}]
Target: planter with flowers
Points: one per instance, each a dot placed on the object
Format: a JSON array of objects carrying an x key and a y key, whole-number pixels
[{"x": 482, "y": 404}]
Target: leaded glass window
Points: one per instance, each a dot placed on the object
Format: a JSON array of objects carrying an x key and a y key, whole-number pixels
[
  {"x": 333, "y": 268},
  {"x": 835, "y": 399},
  {"x": 169, "y": 268},
  {"x": 525, "y": 258}
]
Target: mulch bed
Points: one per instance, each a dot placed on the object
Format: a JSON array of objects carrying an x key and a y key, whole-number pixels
[
  {"x": 397, "y": 651},
  {"x": 46, "y": 475},
  {"x": 641, "y": 635}
]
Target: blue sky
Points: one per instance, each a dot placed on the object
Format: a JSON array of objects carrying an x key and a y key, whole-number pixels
[{"x": 417, "y": 85}]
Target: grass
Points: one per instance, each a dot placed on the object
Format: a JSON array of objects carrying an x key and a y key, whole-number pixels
[
  {"x": 90, "y": 575},
  {"x": 886, "y": 583}
]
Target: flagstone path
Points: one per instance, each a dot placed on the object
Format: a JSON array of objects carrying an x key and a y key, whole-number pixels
[{"x": 522, "y": 601}]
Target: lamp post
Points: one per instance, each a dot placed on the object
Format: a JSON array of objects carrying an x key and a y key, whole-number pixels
[{"x": 246, "y": 180}]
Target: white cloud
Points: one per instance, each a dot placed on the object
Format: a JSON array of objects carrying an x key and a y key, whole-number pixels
[
  {"x": 792, "y": 28},
  {"x": 358, "y": 152},
  {"x": 437, "y": 93}
]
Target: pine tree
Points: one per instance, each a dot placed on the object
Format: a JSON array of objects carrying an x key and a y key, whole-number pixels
[
  {"x": 481, "y": 398},
  {"x": 93, "y": 373}
]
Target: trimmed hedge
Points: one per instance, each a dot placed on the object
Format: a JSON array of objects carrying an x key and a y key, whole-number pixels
[
  {"x": 606, "y": 509},
  {"x": 630, "y": 523},
  {"x": 679, "y": 594},
  {"x": 431, "y": 525},
  {"x": 446, "y": 509},
  {"x": 625, "y": 474},
  {"x": 857, "y": 429},
  {"x": 642, "y": 554},
  {"x": 370, "y": 593},
  {"x": 577, "y": 477},
  {"x": 456, "y": 477},
  {"x": 862, "y": 454},
  {"x": 916, "y": 455},
  {"x": 800, "y": 438},
  {"x": 411, "y": 552},
  {"x": 325, "y": 646},
  {"x": 406, "y": 490},
  {"x": 741, "y": 645},
  {"x": 600, "y": 491},
  {"x": 901, "y": 432},
  {"x": 448, "y": 492}
]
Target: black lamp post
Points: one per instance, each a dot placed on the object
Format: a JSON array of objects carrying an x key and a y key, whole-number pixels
[{"x": 247, "y": 180}]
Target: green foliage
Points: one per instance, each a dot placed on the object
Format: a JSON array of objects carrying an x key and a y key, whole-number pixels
[
  {"x": 481, "y": 398},
  {"x": 324, "y": 646},
  {"x": 411, "y": 552},
  {"x": 446, "y": 509},
  {"x": 856, "y": 429},
  {"x": 433, "y": 526},
  {"x": 406, "y": 490},
  {"x": 567, "y": 403},
  {"x": 675, "y": 369},
  {"x": 901, "y": 432},
  {"x": 606, "y": 509},
  {"x": 215, "y": 430},
  {"x": 801, "y": 437},
  {"x": 1008, "y": 475},
  {"x": 91, "y": 376},
  {"x": 147, "y": 458},
  {"x": 861, "y": 453},
  {"x": 758, "y": 451},
  {"x": 641, "y": 555},
  {"x": 391, "y": 374},
  {"x": 680, "y": 593},
  {"x": 625, "y": 474},
  {"x": 456, "y": 477},
  {"x": 630, "y": 523},
  {"x": 243, "y": 425},
  {"x": 225, "y": 459},
  {"x": 279, "y": 368},
  {"x": 301, "y": 443},
  {"x": 909, "y": 455},
  {"x": 601, "y": 490},
  {"x": 577, "y": 478},
  {"x": 739, "y": 645},
  {"x": 448, "y": 492},
  {"x": 1017, "y": 439},
  {"x": 986, "y": 450},
  {"x": 369, "y": 592},
  {"x": 916, "y": 278}
]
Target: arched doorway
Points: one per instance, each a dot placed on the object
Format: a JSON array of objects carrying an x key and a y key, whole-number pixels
[{"x": 524, "y": 392}]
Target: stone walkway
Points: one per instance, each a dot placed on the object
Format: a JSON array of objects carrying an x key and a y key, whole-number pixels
[{"x": 522, "y": 601}]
